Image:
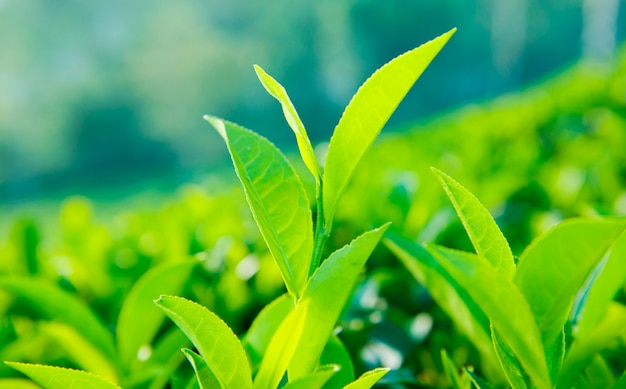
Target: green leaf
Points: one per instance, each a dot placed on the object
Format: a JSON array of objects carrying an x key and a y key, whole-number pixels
[
  {"x": 215, "y": 341},
  {"x": 555, "y": 354},
  {"x": 281, "y": 349},
  {"x": 621, "y": 382},
  {"x": 83, "y": 353},
  {"x": 139, "y": 320},
  {"x": 368, "y": 379},
  {"x": 511, "y": 366},
  {"x": 367, "y": 113},
  {"x": 451, "y": 371},
  {"x": 327, "y": 293},
  {"x": 486, "y": 237},
  {"x": 466, "y": 314},
  {"x": 583, "y": 350},
  {"x": 554, "y": 267},
  {"x": 304, "y": 144},
  {"x": 52, "y": 377},
  {"x": 599, "y": 373},
  {"x": 478, "y": 382},
  {"x": 609, "y": 281},
  {"x": 204, "y": 375},
  {"x": 315, "y": 380},
  {"x": 265, "y": 325},
  {"x": 17, "y": 383},
  {"x": 277, "y": 199},
  {"x": 503, "y": 303},
  {"x": 54, "y": 303},
  {"x": 335, "y": 353}
]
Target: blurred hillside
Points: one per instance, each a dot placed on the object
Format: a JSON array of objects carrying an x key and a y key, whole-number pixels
[{"x": 106, "y": 94}]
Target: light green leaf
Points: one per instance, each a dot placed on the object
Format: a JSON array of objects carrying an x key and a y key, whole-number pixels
[
  {"x": 555, "y": 354},
  {"x": 277, "y": 199},
  {"x": 583, "y": 350},
  {"x": 281, "y": 349},
  {"x": 478, "y": 382},
  {"x": 554, "y": 267},
  {"x": 52, "y": 377},
  {"x": 511, "y": 366},
  {"x": 265, "y": 325},
  {"x": 486, "y": 237},
  {"x": 503, "y": 303},
  {"x": 609, "y": 281},
  {"x": 335, "y": 353},
  {"x": 326, "y": 293},
  {"x": 367, "y": 113},
  {"x": 204, "y": 375},
  {"x": 304, "y": 144},
  {"x": 599, "y": 374},
  {"x": 17, "y": 383},
  {"x": 368, "y": 379},
  {"x": 139, "y": 320},
  {"x": 467, "y": 316},
  {"x": 54, "y": 303},
  {"x": 315, "y": 380},
  {"x": 83, "y": 353},
  {"x": 215, "y": 341},
  {"x": 451, "y": 371}
]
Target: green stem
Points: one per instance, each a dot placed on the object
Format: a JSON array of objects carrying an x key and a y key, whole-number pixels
[{"x": 321, "y": 233}]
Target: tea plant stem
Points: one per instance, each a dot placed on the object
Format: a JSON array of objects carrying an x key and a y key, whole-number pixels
[{"x": 321, "y": 233}]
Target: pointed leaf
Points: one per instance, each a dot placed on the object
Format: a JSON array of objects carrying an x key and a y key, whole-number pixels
[
  {"x": 451, "y": 371},
  {"x": 511, "y": 366},
  {"x": 215, "y": 341},
  {"x": 281, "y": 349},
  {"x": 54, "y": 303},
  {"x": 583, "y": 350},
  {"x": 277, "y": 199},
  {"x": 368, "y": 379},
  {"x": 335, "y": 353},
  {"x": 139, "y": 320},
  {"x": 367, "y": 113},
  {"x": 486, "y": 237},
  {"x": 554, "y": 267},
  {"x": 504, "y": 305},
  {"x": 204, "y": 375},
  {"x": 304, "y": 144},
  {"x": 315, "y": 380},
  {"x": 609, "y": 281},
  {"x": 327, "y": 292},
  {"x": 478, "y": 382},
  {"x": 52, "y": 377}
]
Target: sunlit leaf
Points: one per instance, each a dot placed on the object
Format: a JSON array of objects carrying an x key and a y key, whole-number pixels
[
  {"x": 315, "y": 380},
  {"x": 488, "y": 240},
  {"x": 277, "y": 199},
  {"x": 304, "y": 144},
  {"x": 554, "y": 267},
  {"x": 17, "y": 383},
  {"x": 326, "y": 293},
  {"x": 367, "y": 113},
  {"x": 204, "y": 375},
  {"x": 139, "y": 319},
  {"x": 215, "y": 341},
  {"x": 52, "y": 377},
  {"x": 368, "y": 379},
  {"x": 511, "y": 366}
]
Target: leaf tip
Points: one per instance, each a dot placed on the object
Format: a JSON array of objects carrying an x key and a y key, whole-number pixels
[{"x": 217, "y": 123}]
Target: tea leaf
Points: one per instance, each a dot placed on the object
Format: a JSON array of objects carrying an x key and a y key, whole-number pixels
[
  {"x": 488, "y": 240},
  {"x": 511, "y": 366},
  {"x": 138, "y": 307},
  {"x": 52, "y": 377},
  {"x": 55, "y": 303},
  {"x": 368, "y": 379},
  {"x": 304, "y": 144},
  {"x": 326, "y": 294},
  {"x": 451, "y": 371},
  {"x": 204, "y": 375},
  {"x": 583, "y": 350},
  {"x": 315, "y": 380},
  {"x": 17, "y": 383},
  {"x": 367, "y": 113},
  {"x": 277, "y": 199},
  {"x": 553, "y": 268},
  {"x": 336, "y": 354},
  {"x": 478, "y": 382},
  {"x": 281, "y": 349},
  {"x": 599, "y": 374},
  {"x": 503, "y": 303},
  {"x": 215, "y": 341}
]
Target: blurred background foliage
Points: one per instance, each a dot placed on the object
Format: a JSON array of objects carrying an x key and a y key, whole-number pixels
[{"x": 526, "y": 107}]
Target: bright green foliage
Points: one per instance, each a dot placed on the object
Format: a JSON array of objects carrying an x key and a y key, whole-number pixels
[
  {"x": 51, "y": 377},
  {"x": 336, "y": 354},
  {"x": 368, "y": 379},
  {"x": 138, "y": 307},
  {"x": 554, "y": 267},
  {"x": 326, "y": 295},
  {"x": 458, "y": 381},
  {"x": 510, "y": 365},
  {"x": 276, "y": 198},
  {"x": 206, "y": 378},
  {"x": 367, "y": 113},
  {"x": 213, "y": 338},
  {"x": 315, "y": 380},
  {"x": 291, "y": 115},
  {"x": 483, "y": 231},
  {"x": 17, "y": 383}
]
